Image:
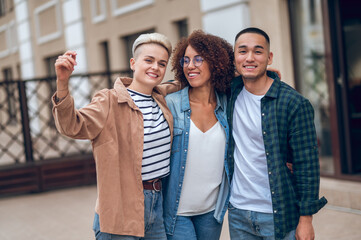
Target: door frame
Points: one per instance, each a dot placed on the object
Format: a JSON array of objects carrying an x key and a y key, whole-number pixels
[{"x": 337, "y": 84}]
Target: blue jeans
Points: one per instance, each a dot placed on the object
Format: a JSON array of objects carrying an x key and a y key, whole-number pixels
[
  {"x": 199, "y": 227},
  {"x": 153, "y": 220},
  {"x": 244, "y": 224}
]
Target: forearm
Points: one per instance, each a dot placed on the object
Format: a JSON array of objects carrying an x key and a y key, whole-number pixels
[
  {"x": 66, "y": 117},
  {"x": 306, "y": 168},
  {"x": 305, "y": 229},
  {"x": 64, "y": 66},
  {"x": 306, "y": 219},
  {"x": 84, "y": 123},
  {"x": 62, "y": 89}
]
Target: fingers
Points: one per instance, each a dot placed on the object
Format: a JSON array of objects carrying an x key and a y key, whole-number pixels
[
  {"x": 64, "y": 63},
  {"x": 71, "y": 54},
  {"x": 67, "y": 60}
]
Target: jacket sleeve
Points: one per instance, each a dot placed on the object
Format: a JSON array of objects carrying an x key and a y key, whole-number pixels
[
  {"x": 85, "y": 123},
  {"x": 169, "y": 87},
  {"x": 306, "y": 168}
]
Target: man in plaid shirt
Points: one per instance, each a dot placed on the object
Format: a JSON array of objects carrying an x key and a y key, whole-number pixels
[{"x": 271, "y": 125}]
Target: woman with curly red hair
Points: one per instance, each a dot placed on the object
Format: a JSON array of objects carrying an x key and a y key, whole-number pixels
[{"x": 196, "y": 193}]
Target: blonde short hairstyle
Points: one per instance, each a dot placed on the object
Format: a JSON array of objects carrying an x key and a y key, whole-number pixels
[{"x": 153, "y": 38}]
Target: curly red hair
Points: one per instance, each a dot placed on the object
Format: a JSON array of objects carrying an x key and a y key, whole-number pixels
[{"x": 216, "y": 51}]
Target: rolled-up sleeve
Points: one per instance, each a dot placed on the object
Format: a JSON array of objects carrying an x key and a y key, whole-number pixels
[{"x": 306, "y": 167}]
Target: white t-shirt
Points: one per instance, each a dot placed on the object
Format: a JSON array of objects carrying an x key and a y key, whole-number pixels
[
  {"x": 204, "y": 170},
  {"x": 250, "y": 188}
]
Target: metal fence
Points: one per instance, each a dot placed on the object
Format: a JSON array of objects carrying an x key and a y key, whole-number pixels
[{"x": 27, "y": 128}]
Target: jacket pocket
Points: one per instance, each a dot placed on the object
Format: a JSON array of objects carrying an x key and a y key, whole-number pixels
[{"x": 177, "y": 139}]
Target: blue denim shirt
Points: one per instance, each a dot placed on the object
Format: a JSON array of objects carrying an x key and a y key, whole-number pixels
[{"x": 178, "y": 104}]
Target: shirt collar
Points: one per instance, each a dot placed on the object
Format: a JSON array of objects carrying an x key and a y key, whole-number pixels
[
  {"x": 220, "y": 101},
  {"x": 237, "y": 83},
  {"x": 273, "y": 90},
  {"x": 120, "y": 86},
  {"x": 185, "y": 100}
]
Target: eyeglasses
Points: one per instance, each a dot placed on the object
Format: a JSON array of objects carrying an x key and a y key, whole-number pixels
[{"x": 197, "y": 61}]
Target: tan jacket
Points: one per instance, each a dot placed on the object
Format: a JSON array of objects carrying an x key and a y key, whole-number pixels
[{"x": 114, "y": 124}]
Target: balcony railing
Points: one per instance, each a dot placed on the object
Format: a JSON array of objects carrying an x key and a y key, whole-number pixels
[{"x": 33, "y": 155}]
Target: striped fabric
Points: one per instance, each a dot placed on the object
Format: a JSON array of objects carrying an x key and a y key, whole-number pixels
[{"x": 156, "y": 148}]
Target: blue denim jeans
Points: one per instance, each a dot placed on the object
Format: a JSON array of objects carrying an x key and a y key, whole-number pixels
[
  {"x": 153, "y": 220},
  {"x": 244, "y": 224},
  {"x": 199, "y": 227}
]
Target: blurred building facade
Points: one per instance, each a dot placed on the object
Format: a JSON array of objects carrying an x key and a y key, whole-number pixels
[{"x": 314, "y": 44}]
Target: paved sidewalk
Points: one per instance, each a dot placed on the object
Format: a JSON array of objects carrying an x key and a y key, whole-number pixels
[{"x": 68, "y": 214}]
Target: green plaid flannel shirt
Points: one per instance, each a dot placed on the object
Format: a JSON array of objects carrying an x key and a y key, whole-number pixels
[{"x": 289, "y": 136}]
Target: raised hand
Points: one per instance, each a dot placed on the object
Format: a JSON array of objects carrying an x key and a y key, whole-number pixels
[{"x": 64, "y": 67}]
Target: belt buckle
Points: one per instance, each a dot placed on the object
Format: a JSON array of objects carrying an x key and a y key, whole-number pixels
[{"x": 155, "y": 189}]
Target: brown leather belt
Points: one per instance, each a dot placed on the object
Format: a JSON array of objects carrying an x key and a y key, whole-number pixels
[{"x": 155, "y": 185}]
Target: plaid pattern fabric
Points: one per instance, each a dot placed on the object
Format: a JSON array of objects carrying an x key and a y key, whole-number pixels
[{"x": 289, "y": 136}]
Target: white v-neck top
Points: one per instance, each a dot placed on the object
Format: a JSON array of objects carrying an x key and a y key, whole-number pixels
[{"x": 204, "y": 170}]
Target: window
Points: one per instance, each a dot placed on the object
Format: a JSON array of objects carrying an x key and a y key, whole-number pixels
[
  {"x": 6, "y": 6},
  {"x": 18, "y": 70},
  {"x": 51, "y": 82},
  {"x": 98, "y": 10},
  {"x": 129, "y": 40},
  {"x": 50, "y": 68},
  {"x": 10, "y": 91},
  {"x": 48, "y": 23},
  {"x": 106, "y": 58},
  {"x": 121, "y": 7},
  {"x": 310, "y": 71},
  {"x": 182, "y": 27},
  {"x": 104, "y": 46},
  {"x": 2, "y": 8},
  {"x": 312, "y": 12}
]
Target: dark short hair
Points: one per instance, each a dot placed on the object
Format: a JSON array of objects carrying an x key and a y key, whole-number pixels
[
  {"x": 216, "y": 51},
  {"x": 253, "y": 30}
]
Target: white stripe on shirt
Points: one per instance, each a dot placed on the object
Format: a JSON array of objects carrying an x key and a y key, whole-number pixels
[{"x": 156, "y": 147}]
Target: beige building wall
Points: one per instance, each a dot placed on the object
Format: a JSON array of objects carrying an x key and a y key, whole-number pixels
[
  {"x": 273, "y": 18},
  {"x": 47, "y": 32},
  {"x": 40, "y": 29},
  {"x": 9, "y": 54},
  {"x": 123, "y": 20},
  {"x": 112, "y": 20}
]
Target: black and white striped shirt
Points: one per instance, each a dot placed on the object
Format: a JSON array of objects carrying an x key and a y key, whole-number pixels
[{"x": 156, "y": 147}]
